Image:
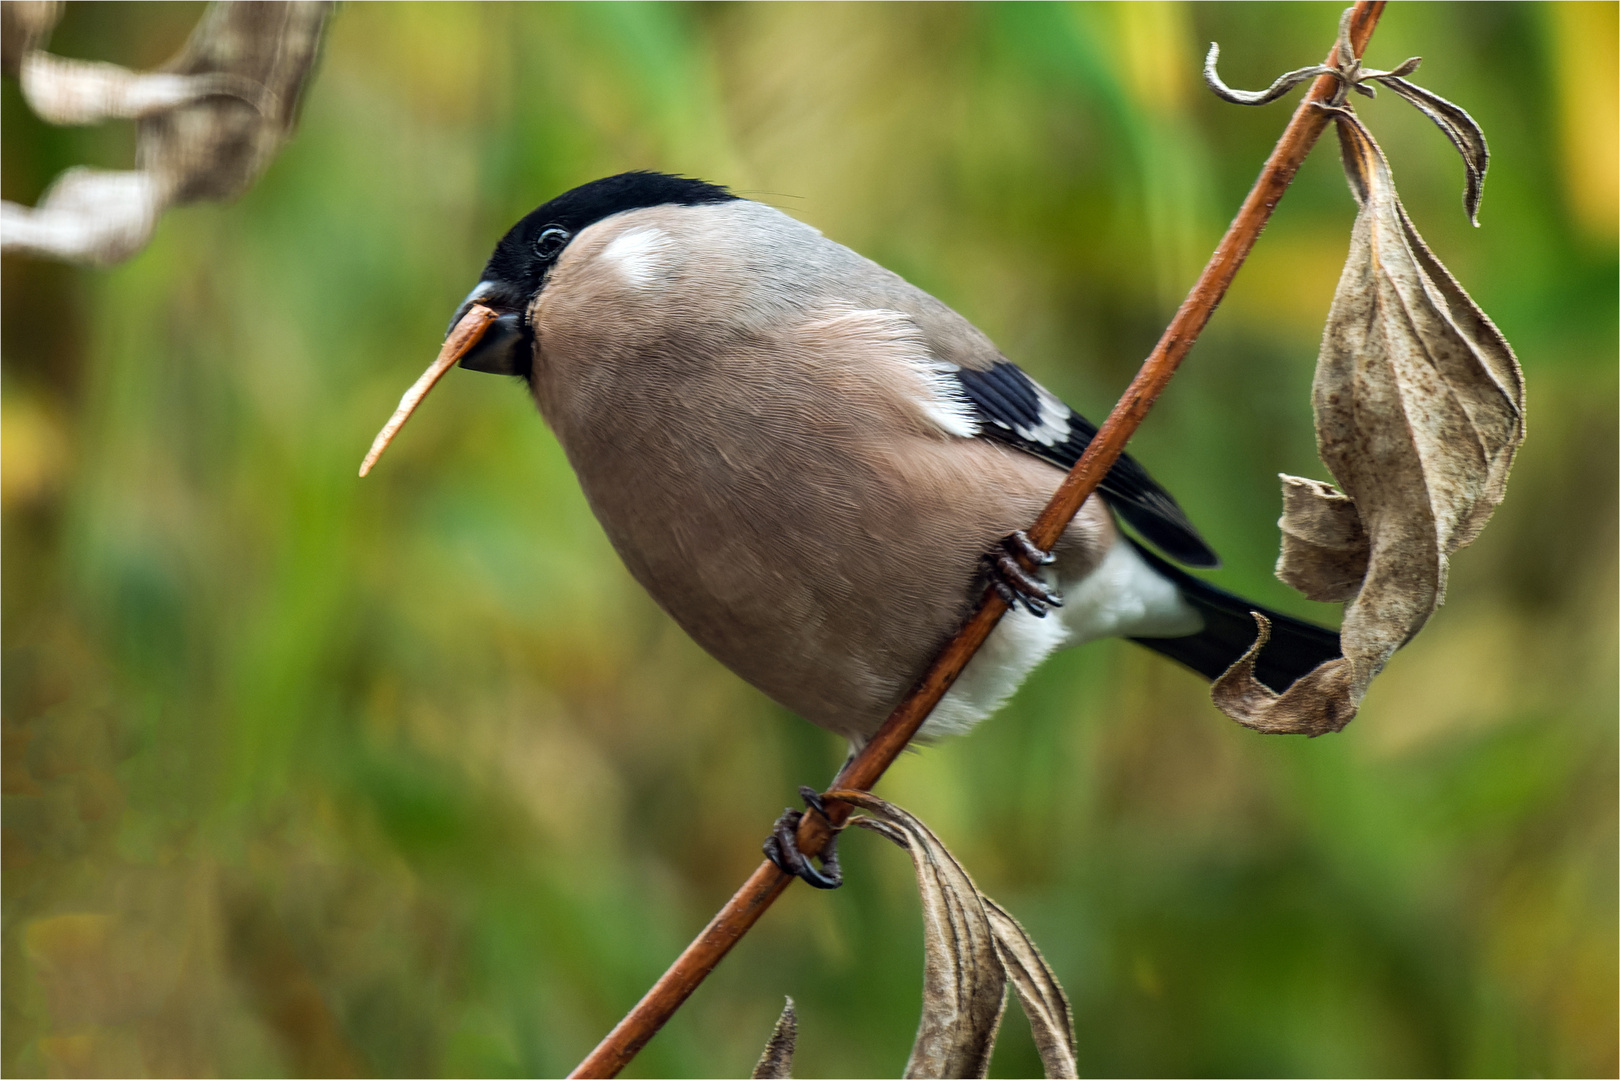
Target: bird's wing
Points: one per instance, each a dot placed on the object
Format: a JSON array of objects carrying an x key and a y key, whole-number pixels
[{"x": 1011, "y": 407}]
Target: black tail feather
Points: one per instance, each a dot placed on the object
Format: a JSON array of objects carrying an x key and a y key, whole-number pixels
[{"x": 1229, "y": 631}]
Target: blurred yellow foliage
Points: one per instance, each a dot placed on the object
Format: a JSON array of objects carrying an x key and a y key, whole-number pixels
[
  {"x": 1587, "y": 69},
  {"x": 33, "y": 451}
]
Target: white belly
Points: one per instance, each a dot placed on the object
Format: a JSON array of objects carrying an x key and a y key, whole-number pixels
[{"x": 1122, "y": 597}]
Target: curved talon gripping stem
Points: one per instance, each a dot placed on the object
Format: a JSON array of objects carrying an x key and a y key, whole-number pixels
[
  {"x": 782, "y": 846},
  {"x": 1012, "y": 582}
]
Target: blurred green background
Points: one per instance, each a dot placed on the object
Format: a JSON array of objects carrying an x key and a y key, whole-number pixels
[{"x": 312, "y": 776}]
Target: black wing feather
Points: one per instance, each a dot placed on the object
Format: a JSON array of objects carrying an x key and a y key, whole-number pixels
[{"x": 1015, "y": 409}]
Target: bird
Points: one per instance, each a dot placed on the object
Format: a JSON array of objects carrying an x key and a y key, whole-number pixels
[{"x": 816, "y": 468}]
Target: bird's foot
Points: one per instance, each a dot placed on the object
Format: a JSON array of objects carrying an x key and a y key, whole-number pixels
[
  {"x": 1012, "y": 582},
  {"x": 782, "y": 846}
]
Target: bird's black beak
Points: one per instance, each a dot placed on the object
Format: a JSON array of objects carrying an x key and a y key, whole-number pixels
[
  {"x": 472, "y": 325},
  {"x": 502, "y": 350}
]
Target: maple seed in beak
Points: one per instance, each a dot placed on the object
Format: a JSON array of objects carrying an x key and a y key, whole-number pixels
[{"x": 463, "y": 336}]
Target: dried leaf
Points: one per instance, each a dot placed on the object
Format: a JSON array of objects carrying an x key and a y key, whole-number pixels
[
  {"x": 1463, "y": 131},
  {"x": 25, "y": 25},
  {"x": 776, "y": 1063},
  {"x": 216, "y": 148},
  {"x": 86, "y": 215},
  {"x": 209, "y": 122},
  {"x": 1324, "y": 547},
  {"x": 964, "y": 986},
  {"x": 973, "y": 948},
  {"x": 1283, "y": 83},
  {"x": 1419, "y": 407},
  {"x": 1452, "y": 119},
  {"x": 66, "y": 92},
  {"x": 1039, "y": 992},
  {"x": 1324, "y": 699}
]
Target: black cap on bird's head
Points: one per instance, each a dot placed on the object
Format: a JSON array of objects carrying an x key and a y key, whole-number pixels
[
  {"x": 490, "y": 331},
  {"x": 517, "y": 270}
]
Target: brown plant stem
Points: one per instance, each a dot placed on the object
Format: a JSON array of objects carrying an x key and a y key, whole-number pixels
[{"x": 862, "y": 772}]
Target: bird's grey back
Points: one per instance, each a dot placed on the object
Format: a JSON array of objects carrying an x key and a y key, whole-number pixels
[{"x": 790, "y": 270}]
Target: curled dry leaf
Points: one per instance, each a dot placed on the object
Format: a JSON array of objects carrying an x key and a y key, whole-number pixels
[
  {"x": 1419, "y": 407},
  {"x": 1039, "y": 992},
  {"x": 65, "y": 92},
  {"x": 1320, "y": 701},
  {"x": 776, "y": 1063},
  {"x": 1280, "y": 86},
  {"x": 1324, "y": 547},
  {"x": 964, "y": 986},
  {"x": 972, "y": 949},
  {"x": 1465, "y": 134},
  {"x": 24, "y": 26},
  {"x": 86, "y": 215},
  {"x": 210, "y": 122},
  {"x": 1463, "y": 131},
  {"x": 215, "y": 149}
]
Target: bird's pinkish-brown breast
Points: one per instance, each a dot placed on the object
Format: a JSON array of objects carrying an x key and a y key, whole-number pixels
[{"x": 771, "y": 473}]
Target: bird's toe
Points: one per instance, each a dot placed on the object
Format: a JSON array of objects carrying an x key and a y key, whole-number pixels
[
  {"x": 782, "y": 846},
  {"x": 1014, "y": 582}
]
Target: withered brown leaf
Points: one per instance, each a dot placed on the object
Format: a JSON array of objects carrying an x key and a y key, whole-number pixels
[
  {"x": 972, "y": 949},
  {"x": 964, "y": 986},
  {"x": 1324, "y": 547},
  {"x": 1452, "y": 119},
  {"x": 776, "y": 1062},
  {"x": 1463, "y": 131},
  {"x": 209, "y": 121},
  {"x": 1039, "y": 992},
  {"x": 1419, "y": 406},
  {"x": 64, "y": 91}
]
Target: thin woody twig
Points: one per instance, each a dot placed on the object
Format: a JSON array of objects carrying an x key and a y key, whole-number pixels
[{"x": 767, "y": 882}]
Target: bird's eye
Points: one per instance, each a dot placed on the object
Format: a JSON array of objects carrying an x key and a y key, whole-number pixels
[{"x": 551, "y": 241}]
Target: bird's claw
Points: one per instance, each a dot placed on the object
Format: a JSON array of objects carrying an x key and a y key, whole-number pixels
[
  {"x": 1012, "y": 582},
  {"x": 782, "y": 846},
  {"x": 1019, "y": 543}
]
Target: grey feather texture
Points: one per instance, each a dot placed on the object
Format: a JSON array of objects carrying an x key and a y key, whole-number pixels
[
  {"x": 803, "y": 458},
  {"x": 743, "y": 403}
]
